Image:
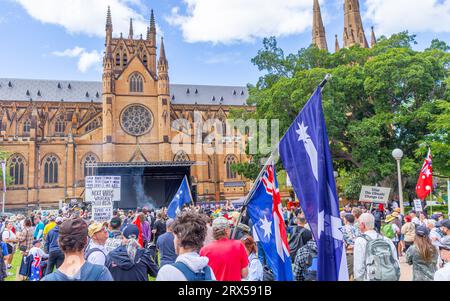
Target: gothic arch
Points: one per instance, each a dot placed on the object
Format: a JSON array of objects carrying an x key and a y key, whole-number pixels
[
  {"x": 181, "y": 156},
  {"x": 229, "y": 161},
  {"x": 89, "y": 158},
  {"x": 50, "y": 166},
  {"x": 136, "y": 81},
  {"x": 17, "y": 169}
]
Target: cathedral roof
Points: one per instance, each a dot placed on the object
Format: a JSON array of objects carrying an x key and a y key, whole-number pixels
[{"x": 83, "y": 91}]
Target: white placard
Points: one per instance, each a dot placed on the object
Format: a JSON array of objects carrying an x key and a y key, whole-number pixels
[
  {"x": 378, "y": 195},
  {"x": 103, "y": 183},
  {"x": 101, "y": 193},
  {"x": 418, "y": 205}
]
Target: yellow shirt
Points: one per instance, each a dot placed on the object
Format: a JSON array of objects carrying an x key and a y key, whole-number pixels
[{"x": 48, "y": 227}]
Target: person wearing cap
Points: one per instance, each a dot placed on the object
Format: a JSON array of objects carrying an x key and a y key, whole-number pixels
[
  {"x": 115, "y": 236},
  {"x": 56, "y": 256},
  {"x": 394, "y": 230},
  {"x": 443, "y": 274},
  {"x": 228, "y": 258},
  {"x": 445, "y": 227},
  {"x": 96, "y": 252},
  {"x": 423, "y": 256},
  {"x": 50, "y": 225},
  {"x": 38, "y": 255},
  {"x": 165, "y": 245},
  {"x": 131, "y": 262}
]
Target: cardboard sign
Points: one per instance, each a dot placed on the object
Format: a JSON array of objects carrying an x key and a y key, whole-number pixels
[
  {"x": 101, "y": 193},
  {"x": 103, "y": 183},
  {"x": 377, "y": 195},
  {"x": 418, "y": 205}
]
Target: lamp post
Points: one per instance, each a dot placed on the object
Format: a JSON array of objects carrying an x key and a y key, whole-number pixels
[{"x": 398, "y": 155}]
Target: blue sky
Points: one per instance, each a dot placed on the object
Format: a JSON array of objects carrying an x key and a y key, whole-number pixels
[{"x": 207, "y": 41}]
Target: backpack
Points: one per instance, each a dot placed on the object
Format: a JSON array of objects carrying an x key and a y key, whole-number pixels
[
  {"x": 387, "y": 231},
  {"x": 204, "y": 275},
  {"x": 380, "y": 263},
  {"x": 312, "y": 264},
  {"x": 296, "y": 242}
]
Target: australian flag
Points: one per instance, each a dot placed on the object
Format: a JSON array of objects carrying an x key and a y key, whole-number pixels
[
  {"x": 183, "y": 197},
  {"x": 265, "y": 210},
  {"x": 306, "y": 157}
]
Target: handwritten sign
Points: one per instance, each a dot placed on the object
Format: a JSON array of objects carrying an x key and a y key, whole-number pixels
[
  {"x": 418, "y": 205},
  {"x": 378, "y": 195},
  {"x": 101, "y": 193}
]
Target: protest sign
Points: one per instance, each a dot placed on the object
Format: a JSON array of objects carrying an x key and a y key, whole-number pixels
[
  {"x": 101, "y": 193},
  {"x": 418, "y": 205},
  {"x": 378, "y": 195}
]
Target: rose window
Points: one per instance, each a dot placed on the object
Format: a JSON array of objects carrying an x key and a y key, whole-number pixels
[{"x": 136, "y": 120}]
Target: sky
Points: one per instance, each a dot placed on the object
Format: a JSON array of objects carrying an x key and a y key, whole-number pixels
[{"x": 208, "y": 42}]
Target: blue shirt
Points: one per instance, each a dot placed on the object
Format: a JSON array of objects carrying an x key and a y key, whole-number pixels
[
  {"x": 88, "y": 272},
  {"x": 4, "y": 248},
  {"x": 39, "y": 231},
  {"x": 166, "y": 246}
]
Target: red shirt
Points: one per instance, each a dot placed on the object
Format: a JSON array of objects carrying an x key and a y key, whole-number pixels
[{"x": 226, "y": 258}]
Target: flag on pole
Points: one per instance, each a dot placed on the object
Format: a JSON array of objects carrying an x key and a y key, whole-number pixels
[
  {"x": 425, "y": 183},
  {"x": 306, "y": 157},
  {"x": 183, "y": 197},
  {"x": 266, "y": 213},
  {"x": 4, "y": 175}
]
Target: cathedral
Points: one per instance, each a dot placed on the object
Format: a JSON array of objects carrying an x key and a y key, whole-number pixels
[{"x": 55, "y": 132}]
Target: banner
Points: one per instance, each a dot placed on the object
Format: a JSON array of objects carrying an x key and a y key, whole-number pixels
[
  {"x": 101, "y": 193},
  {"x": 378, "y": 195},
  {"x": 4, "y": 175}
]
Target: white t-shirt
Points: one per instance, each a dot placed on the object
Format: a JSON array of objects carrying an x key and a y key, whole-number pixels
[
  {"x": 443, "y": 274},
  {"x": 97, "y": 257},
  {"x": 8, "y": 234}
]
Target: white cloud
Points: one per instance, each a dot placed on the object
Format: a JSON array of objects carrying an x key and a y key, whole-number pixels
[
  {"x": 228, "y": 21},
  {"x": 222, "y": 58},
  {"x": 88, "y": 16},
  {"x": 414, "y": 15},
  {"x": 86, "y": 59}
]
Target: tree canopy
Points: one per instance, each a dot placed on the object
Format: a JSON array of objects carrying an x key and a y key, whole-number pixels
[{"x": 379, "y": 99}]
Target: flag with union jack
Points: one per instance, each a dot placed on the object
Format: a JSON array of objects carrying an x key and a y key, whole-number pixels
[{"x": 265, "y": 210}]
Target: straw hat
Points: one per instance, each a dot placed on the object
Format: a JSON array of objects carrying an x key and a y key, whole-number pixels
[{"x": 390, "y": 218}]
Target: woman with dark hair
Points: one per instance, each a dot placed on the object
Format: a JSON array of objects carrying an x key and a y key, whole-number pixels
[
  {"x": 255, "y": 268},
  {"x": 72, "y": 239},
  {"x": 25, "y": 237},
  {"x": 423, "y": 256}
]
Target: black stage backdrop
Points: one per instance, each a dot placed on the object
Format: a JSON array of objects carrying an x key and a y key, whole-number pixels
[{"x": 151, "y": 187}]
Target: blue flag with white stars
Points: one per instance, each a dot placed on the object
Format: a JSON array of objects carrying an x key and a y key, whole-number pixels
[{"x": 183, "y": 197}]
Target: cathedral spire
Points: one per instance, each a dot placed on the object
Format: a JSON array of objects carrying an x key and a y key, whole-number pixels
[
  {"x": 130, "y": 35},
  {"x": 108, "y": 19},
  {"x": 353, "y": 26},
  {"x": 162, "y": 54},
  {"x": 336, "y": 44},
  {"x": 151, "y": 31},
  {"x": 318, "y": 31},
  {"x": 373, "y": 41}
]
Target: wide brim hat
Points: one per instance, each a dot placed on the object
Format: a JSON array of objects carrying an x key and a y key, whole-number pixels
[{"x": 390, "y": 218}]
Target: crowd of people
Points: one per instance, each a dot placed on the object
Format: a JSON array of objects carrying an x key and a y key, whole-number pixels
[{"x": 215, "y": 243}]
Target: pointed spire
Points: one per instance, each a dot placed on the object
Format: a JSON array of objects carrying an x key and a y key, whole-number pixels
[
  {"x": 130, "y": 35},
  {"x": 373, "y": 41},
  {"x": 151, "y": 31},
  {"x": 108, "y": 19},
  {"x": 353, "y": 25},
  {"x": 318, "y": 31},
  {"x": 162, "y": 54},
  {"x": 336, "y": 44}
]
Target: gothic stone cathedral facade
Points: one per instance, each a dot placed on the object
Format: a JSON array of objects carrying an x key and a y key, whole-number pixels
[{"x": 53, "y": 130}]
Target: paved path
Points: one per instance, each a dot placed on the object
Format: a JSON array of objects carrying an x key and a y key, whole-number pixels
[{"x": 406, "y": 270}]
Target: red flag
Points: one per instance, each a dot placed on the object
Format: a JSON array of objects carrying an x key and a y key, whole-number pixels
[
  {"x": 137, "y": 222},
  {"x": 425, "y": 182}
]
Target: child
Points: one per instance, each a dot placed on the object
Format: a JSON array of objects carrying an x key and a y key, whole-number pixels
[{"x": 38, "y": 255}]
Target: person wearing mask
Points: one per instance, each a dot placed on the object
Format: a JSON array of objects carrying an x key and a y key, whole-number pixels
[
  {"x": 365, "y": 258},
  {"x": 228, "y": 258},
  {"x": 73, "y": 238},
  {"x": 39, "y": 229},
  {"x": 96, "y": 252},
  {"x": 189, "y": 230},
  {"x": 56, "y": 255},
  {"x": 255, "y": 268},
  {"x": 50, "y": 225},
  {"x": 423, "y": 256},
  {"x": 443, "y": 274},
  {"x": 131, "y": 262},
  {"x": 115, "y": 236},
  {"x": 409, "y": 232},
  {"x": 165, "y": 245},
  {"x": 10, "y": 239}
]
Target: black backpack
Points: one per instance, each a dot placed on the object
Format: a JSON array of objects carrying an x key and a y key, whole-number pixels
[{"x": 296, "y": 242}]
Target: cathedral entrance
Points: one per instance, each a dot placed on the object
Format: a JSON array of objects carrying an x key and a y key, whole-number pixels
[{"x": 146, "y": 184}]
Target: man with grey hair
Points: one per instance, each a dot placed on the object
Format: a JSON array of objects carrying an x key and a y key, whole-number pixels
[
  {"x": 227, "y": 258},
  {"x": 165, "y": 245},
  {"x": 366, "y": 259}
]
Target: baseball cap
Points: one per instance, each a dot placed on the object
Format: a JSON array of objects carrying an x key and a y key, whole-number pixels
[
  {"x": 445, "y": 223},
  {"x": 131, "y": 230},
  {"x": 221, "y": 223},
  {"x": 94, "y": 228},
  {"x": 36, "y": 241},
  {"x": 444, "y": 243},
  {"x": 422, "y": 231},
  {"x": 115, "y": 222},
  {"x": 59, "y": 220}
]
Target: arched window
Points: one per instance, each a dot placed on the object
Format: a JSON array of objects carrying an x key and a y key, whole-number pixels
[
  {"x": 51, "y": 164},
  {"x": 125, "y": 59},
  {"x": 89, "y": 159},
  {"x": 144, "y": 59},
  {"x": 17, "y": 169},
  {"x": 229, "y": 161},
  {"x": 118, "y": 59},
  {"x": 92, "y": 126},
  {"x": 60, "y": 125},
  {"x": 136, "y": 83},
  {"x": 26, "y": 127},
  {"x": 181, "y": 156}
]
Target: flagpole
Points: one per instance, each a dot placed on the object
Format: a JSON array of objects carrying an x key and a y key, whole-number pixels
[{"x": 275, "y": 151}]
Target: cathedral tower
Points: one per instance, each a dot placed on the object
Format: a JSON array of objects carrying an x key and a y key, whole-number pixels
[
  {"x": 318, "y": 31},
  {"x": 353, "y": 26}
]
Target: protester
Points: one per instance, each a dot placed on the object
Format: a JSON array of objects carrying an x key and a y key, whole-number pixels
[
  {"x": 73, "y": 237},
  {"x": 255, "y": 268},
  {"x": 50, "y": 225},
  {"x": 443, "y": 274},
  {"x": 350, "y": 234},
  {"x": 414, "y": 219},
  {"x": 228, "y": 258},
  {"x": 166, "y": 246},
  {"x": 305, "y": 263},
  {"x": 39, "y": 229},
  {"x": 10, "y": 239},
  {"x": 131, "y": 262},
  {"x": 392, "y": 231},
  {"x": 209, "y": 232},
  {"x": 3, "y": 254},
  {"x": 409, "y": 232},
  {"x": 356, "y": 212},
  {"x": 159, "y": 227},
  {"x": 300, "y": 236},
  {"x": 379, "y": 215},
  {"x": 56, "y": 255},
  {"x": 371, "y": 251},
  {"x": 435, "y": 233},
  {"x": 96, "y": 252},
  {"x": 423, "y": 220},
  {"x": 115, "y": 236},
  {"x": 423, "y": 256},
  {"x": 38, "y": 255},
  {"x": 445, "y": 227},
  {"x": 25, "y": 237}
]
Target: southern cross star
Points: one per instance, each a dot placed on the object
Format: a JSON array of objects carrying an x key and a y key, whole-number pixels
[
  {"x": 266, "y": 226},
  {"x": 302, "y": 132}
]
